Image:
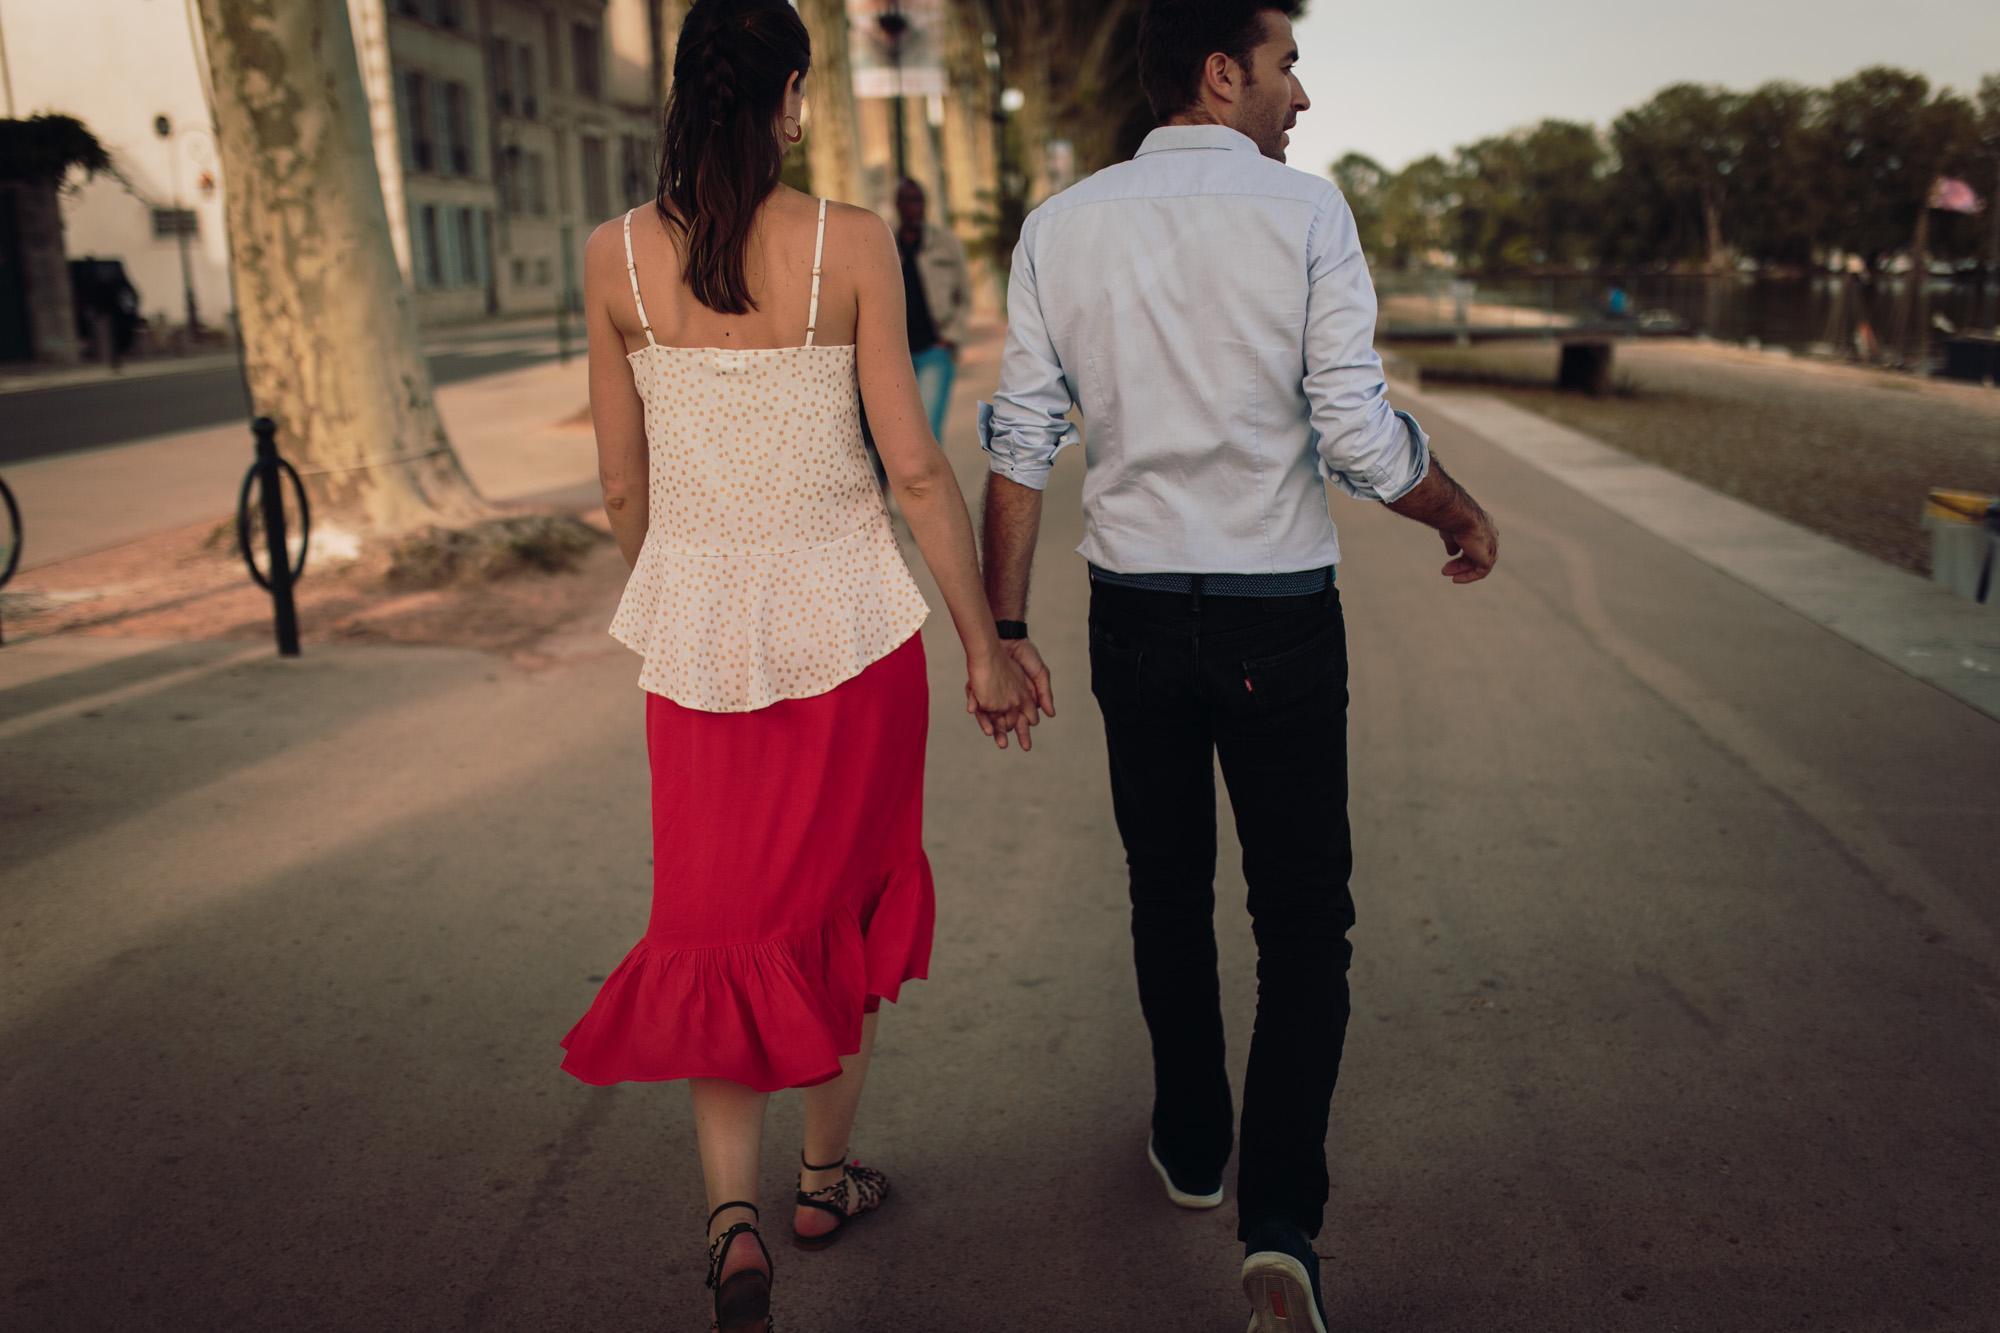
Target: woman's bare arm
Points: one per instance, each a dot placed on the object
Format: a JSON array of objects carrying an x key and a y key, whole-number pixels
[
  {"x": 615, "y": 410},
  {"x": 923, "y": 482}
]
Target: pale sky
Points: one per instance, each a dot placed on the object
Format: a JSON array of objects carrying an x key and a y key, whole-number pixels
[{"x": 1397, "y": 79}]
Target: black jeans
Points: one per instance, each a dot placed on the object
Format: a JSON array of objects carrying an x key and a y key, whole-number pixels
[{"x": 1262, "y": 683}]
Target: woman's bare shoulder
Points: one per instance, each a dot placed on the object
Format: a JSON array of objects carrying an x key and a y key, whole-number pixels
[
  {"x": 604, "y": 250},
  {"x": 859, "y": 233}
]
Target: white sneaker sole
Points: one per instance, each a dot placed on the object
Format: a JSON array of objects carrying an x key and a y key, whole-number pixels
[
  {"x": 1280, "y": 1293},
  {"x": 1180, "y": 1197}
]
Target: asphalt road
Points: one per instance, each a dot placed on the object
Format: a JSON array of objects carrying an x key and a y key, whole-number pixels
[
  {"x": 43, "y": 423},
  {"x": 1675, "y": 982}
]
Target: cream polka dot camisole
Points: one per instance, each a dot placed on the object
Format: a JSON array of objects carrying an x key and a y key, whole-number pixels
[{"x": 769, "y": 569}]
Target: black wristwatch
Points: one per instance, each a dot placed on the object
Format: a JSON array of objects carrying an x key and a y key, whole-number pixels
[{"x": 1011, "y": 629}]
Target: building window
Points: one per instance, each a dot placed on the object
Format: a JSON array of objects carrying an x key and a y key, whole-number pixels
[
  {"x": 584, "y": 59},
  {"x": 417, "y": 110},
  {"x": 544, "y": 275},
  {"x": 632, "y": 170},
  {"x": 538, "y": 198},
  {"x": 430, "y": 267},
  {"x": 520, "y": 272},
  {"x": 457, "y": 129},
  {"x": 447, "y": 13},
  {"x": 483, "y": 234},
  {"x": 502, "y": 64},
  {"x": 596, "y": 180},
  {"x": 468, "y": 246},
  {"x": 410, "y": 8},
  {"x": 171, "y": 222},
  {"x": 505, "y": 169},
  {"x": 525, "y": 64}
]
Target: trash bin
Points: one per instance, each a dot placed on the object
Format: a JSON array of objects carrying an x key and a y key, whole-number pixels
[{"x": 1965, "y": 542}]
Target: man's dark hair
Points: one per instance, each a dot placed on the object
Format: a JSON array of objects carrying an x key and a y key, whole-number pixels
[{"x": 1176, "y": 38}]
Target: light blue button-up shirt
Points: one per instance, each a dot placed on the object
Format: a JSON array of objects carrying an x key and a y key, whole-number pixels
[{"x": 1210, "y": 311}]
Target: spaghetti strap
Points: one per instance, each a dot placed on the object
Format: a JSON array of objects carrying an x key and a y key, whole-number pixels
[
  {"x": 819, "y": 250},
  {"x": 632, "y": 272}
]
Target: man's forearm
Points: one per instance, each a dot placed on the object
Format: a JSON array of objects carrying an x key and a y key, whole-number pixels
[
  {"x": 1439, "y": 502},
  {"x": 1013, "y": 521}
]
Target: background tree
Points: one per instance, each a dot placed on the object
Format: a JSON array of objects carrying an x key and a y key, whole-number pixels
[
  {"x": 833, "y": 121},
  {"x": 1077, "y": 69},
  {"x": 1776, "y": 211},
  {"x": 1529, "y": 198},
  {"x": 1565, "y": 165},
  {"x": 1883, "y": 141},
  {"x": 1416, "y": 210},
  {"x": 1987, "y": 130},
  {"x": 329, "y": 336},
  {"x": 1676, "y": 156},
  {"x": 36, "y": 158},
  {"x": 1365, "y": 182}
]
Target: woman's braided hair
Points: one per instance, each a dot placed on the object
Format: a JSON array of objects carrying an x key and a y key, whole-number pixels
[{"x": 720, "y": 156}]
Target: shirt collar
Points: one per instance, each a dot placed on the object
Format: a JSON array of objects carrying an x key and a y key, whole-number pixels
[{"x": 1173, "y": 138}]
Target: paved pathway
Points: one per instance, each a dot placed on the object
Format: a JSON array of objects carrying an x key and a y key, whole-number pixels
[{"x": 1675, "y": 981}]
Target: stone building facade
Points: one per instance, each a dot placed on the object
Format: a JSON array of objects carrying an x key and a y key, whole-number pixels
[{"x": 504, "y": 130}]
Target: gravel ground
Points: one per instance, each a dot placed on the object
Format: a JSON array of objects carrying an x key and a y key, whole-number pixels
[{"x": 1847, "y": 452}]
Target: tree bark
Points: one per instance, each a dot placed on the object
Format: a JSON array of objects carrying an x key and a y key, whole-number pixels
[
  {"x": 1915, "y": 342},
  {"x": 968, "y": 111},
  {"x": 971, "y": 164},
  {"x": 668, "y": 16},
  {"x": 329, "y": 335},
  {"x": 1711, "y": 217},
  {"x": 833, "y": 131}
]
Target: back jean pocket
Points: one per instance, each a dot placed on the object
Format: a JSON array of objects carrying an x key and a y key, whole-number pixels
[
  {"x": 1317, "y": 666},
  {"x": 1114, "y": 669}
]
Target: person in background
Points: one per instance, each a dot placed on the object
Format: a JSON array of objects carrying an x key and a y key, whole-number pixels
[{"x": 938, "y": 290}]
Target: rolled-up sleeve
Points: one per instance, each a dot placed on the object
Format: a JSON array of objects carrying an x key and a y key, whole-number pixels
[
  {"x": 1027, "y": 424},
  {"x": 1365, "y": 447}
]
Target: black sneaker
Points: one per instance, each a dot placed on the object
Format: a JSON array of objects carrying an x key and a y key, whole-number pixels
[
  {"x": 1184, "y": 1190},
  {"x": 1281, "y": 1278}
]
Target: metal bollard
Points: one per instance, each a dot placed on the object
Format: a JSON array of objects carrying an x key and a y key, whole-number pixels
[
  {"x": 265, "y": 473},
  {"x": 12, "y": 558}
]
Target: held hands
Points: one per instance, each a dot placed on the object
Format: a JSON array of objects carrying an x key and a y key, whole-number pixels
[{"x": 1008, "y": 691}]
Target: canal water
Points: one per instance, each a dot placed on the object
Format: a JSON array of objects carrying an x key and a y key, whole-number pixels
[{"x": 1829, "y": 312}]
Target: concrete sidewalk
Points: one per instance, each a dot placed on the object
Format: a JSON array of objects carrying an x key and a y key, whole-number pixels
[
  {"x": 1674, "y": 980},
  {"x": 518, "y": 434}
]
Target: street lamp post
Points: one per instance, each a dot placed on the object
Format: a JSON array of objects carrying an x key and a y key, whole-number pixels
[
  {"x": 895, "y": 25},
  {"x": 165, "y": 129}
]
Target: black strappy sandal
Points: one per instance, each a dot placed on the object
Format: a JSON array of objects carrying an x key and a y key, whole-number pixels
[
  {"x": 742, "y": 1300},
  {"x": 863, "y": 1187}
]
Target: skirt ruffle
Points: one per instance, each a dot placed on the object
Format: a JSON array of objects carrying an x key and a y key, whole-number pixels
[{"x": 776, "y": 1013}]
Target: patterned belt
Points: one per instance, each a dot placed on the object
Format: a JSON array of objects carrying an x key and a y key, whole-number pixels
[{"x": 1298, "y": 583}]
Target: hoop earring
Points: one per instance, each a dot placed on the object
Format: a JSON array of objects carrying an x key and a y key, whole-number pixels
[{"x": 796, "y": 131}]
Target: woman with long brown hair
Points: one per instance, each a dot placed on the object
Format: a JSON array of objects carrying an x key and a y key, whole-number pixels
[{"x": 737, "y": 327}]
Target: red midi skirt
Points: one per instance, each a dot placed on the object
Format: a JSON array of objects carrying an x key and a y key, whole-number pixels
[{"x": 790, "y": 887}]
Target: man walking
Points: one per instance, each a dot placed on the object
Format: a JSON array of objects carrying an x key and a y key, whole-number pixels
[
  {"x": 1211, "y": 312},
  {"x": 937, "y": 289}
]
